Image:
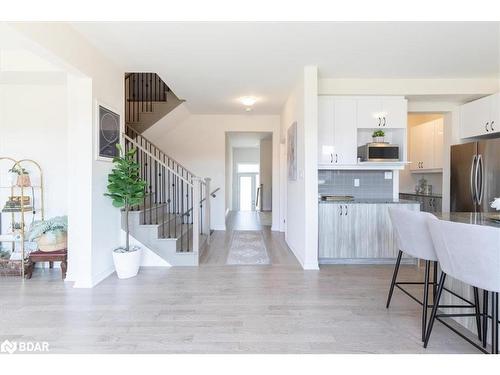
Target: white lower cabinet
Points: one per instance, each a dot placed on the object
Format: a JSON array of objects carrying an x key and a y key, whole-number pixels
[{"x": 357, "y": 231}]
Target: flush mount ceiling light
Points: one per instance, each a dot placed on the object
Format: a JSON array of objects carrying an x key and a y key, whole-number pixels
[{"x": 248, "y": 101}]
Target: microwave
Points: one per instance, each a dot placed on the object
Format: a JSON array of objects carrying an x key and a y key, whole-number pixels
[{"x": 378, "y": 152}]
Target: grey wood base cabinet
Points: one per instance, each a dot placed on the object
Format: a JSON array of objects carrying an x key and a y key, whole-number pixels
[{"x": 357, "y": 232}]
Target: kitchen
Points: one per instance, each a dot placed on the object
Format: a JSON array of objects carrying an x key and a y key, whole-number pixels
[{"x": 361, "y": 175}]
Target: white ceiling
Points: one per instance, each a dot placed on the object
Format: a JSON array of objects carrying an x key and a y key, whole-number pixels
[
  {"x": 212, "y": 64},
  {"x": 247, "y": 139}
]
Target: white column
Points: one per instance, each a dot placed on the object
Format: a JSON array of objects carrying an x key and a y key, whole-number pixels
[
  {"x": 196, "y": 214},
  {"x": 206, "y": 219}
]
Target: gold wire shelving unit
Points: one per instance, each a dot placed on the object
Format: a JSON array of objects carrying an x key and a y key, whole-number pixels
[{"x": 24, "y": 214}]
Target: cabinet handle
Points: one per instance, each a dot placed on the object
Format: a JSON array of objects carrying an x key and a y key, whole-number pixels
[
  {"x": 331, "y": 158},
  {"x": 346, "y": 210},
  {"x": 486, "y": 126},
  {"x": 340, "y": 210},
  {"x": 336, "y": 158},
  {"x": 491, "y": 126},
  {"x": 379, "y": 121},
  {"x": 384, "y": 121}
]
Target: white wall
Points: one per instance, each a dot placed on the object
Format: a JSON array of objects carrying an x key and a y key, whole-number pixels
[
  {"x": 302, "y": 195},
  {"x": 199, "y": 143},
  {"x": 243, "y": 155},
  {"x": 229, "y": 175},
  {"x": 33, "y": 125},
  {"x": 92, "y": 77},
  {"x": 266, "y": 173}
]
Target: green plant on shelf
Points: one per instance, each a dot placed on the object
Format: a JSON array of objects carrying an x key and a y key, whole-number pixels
[
  {"x": 18, "y": 170},
  {"x": 41, "y": 227},
  {"x": 378, "y": 133}
]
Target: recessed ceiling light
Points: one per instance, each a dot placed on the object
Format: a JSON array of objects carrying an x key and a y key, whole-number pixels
[{"x": 248, "y": 101}]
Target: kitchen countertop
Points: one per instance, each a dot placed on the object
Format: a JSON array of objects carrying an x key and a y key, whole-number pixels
[
  {"x": 370, "y": 201},
  {"x": 423, "y": 195},
  {"x": 477, "y": 218}
]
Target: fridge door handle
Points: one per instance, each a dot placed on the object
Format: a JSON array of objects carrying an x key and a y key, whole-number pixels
[
  {"x": 472, "y": 183},
  {"x": 479, "y": 179}
]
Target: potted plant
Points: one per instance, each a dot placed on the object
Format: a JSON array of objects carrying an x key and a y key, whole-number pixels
[
  {"x": 50, "y": 235},
  {"x": 378, "y": 136},
  {"x": 22, "y": 176},
  {"x": 126, "y": 189}
]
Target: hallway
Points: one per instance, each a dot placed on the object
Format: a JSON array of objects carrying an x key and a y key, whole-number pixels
[{"x": 278, "y": 251}]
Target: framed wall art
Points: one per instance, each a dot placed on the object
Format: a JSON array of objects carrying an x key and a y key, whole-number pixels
[{"x": 108, "y": 132}]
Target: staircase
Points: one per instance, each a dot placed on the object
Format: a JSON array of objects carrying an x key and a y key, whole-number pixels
[
  {"x": 173, "y": 219},
  {"x": 147, "y": 100}
]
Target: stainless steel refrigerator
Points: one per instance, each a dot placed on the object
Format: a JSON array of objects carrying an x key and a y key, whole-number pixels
[{"x": 475, "y": 175}]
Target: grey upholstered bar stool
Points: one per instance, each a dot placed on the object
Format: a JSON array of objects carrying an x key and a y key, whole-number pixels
[
  {"x": 470, "y": 254},
  {"x": 413, "y": 238}
]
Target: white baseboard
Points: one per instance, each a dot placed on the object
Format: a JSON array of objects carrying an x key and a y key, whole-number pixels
[
  {"x": 218, "y": 227},
  {"x": 366, "y": 261}
]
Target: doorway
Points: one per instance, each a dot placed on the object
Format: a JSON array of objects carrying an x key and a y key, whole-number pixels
[
  {"x": 249, "y": 178},
  {"x": 247, "y": 190}
]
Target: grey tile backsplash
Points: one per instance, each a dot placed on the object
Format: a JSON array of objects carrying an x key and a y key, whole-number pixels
[{"x": 372, "y": 184}]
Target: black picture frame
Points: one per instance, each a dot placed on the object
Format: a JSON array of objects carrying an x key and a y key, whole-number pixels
[{"x": 109, "y": 133}]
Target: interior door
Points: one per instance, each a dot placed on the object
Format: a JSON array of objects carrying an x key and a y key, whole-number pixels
[{"x": 246, "y": 191}]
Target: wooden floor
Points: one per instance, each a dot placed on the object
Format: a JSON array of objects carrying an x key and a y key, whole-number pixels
[{"x": 215, "y": 308}]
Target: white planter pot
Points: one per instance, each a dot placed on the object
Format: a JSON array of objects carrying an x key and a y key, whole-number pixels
[
  {"x": 378, "y": 139},
  {"x": 127, "y": 264}
]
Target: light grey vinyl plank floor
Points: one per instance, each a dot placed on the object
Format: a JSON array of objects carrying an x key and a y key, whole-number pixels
[{"x": 214, "y": 308}]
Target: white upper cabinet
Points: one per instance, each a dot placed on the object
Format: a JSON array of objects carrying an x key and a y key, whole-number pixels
[
  {"x": 426, "y": 146},
  {"x": 381, "y": 113},
  {"x": 480, "y": 117},
  {"x": 344, "y": 123},
  {"x": 325, "y": 130},
  {"x": 336, "y": 130}
]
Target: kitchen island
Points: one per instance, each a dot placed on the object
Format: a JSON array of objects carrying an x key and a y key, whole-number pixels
[{"x": 359, "y": 231}]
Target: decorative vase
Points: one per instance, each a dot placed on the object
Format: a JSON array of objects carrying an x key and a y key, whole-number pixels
[
  {"x": 53, "y": 241},
  {"x": 23, "y": 180},
  {"x": 378, "y": 139},
  {"x": 127, "y": 263}
]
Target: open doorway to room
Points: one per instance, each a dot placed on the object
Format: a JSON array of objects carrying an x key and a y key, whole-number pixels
[
  {"x": 422, "y": 180},
  {"x": 248, "y": 180}
]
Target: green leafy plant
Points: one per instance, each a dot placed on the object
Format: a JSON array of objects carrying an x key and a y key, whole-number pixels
[
  {"x": 18, "y": 170},
  {"x": 125, "y": 187},
  {"x": 41, "y": 227},
  {"x": 378, "y": 133}
]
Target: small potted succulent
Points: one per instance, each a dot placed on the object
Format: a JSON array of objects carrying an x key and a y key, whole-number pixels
[
  {"x": 378, "y": 136},
  {"x": 50, "y": 235},
  {"x": 126, "y": 189},
  {"x": 22, "y": 176}
]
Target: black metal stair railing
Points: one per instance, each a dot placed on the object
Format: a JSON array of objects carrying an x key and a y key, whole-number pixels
[
  {"x": 142, "y": 90},
  {"x": 170, "y": 194}
]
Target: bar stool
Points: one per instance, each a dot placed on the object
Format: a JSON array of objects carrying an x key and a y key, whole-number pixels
[
  {"x": 470, "y": 254},
  {"x": 414, "y": 239}
]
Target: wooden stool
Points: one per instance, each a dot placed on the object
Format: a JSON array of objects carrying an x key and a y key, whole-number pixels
[{"x": 51, "y": 257}]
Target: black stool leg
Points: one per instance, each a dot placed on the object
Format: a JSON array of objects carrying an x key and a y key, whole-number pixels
[
  {"x": 435, "y": 278},
  {"x": 394, "y": 276},
  {"x": 485, "y": 317},
  {"x": 434, "y": 308},
  {"x": 426, "y": 298},
  {"x": 494, "y": 323},
  {"x": 478, "y": 314}
]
